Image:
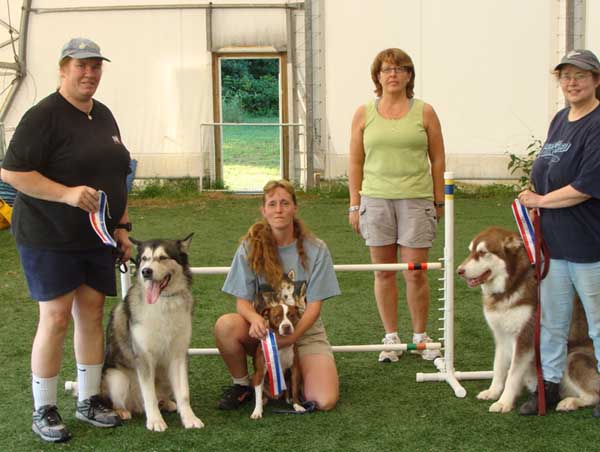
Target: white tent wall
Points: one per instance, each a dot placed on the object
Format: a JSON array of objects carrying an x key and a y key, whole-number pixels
[
  {"x": 592, "y": 25},
  {"x": 484, "y": 66},
  {"x": 159, "y": 81}
]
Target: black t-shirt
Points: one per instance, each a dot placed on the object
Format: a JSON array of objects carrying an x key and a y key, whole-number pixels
[
  {"x": 571, "y": 156},
  {"x": 62, "y": 143}
]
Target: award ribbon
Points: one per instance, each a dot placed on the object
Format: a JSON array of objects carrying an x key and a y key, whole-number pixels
[
  {"x": 270, "y": 352},
  {"x": 99, "y": 224}
]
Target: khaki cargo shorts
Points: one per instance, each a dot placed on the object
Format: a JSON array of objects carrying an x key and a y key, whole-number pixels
[
  {"x": 408, "y": 222},
  {"x": 314, "y": 341}
]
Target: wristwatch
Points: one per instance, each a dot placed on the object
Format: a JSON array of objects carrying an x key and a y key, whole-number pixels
[
  {"x": 126, "y": 226},
  {"x": 438, "y": 204}
]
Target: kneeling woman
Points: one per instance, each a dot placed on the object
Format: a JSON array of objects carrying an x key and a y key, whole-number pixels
[{"x": 279, "y": 245}]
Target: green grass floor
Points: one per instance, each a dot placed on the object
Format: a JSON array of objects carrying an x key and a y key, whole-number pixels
[
  {"x": 251, "y": 155},
  {"x": 381, "y": 406}
]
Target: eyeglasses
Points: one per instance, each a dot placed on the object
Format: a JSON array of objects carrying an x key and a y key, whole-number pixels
[
  {"x": 395, "y": 70},
  {"x": 578, "y": 77}
]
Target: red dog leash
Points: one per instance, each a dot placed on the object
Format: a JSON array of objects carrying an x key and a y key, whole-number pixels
[
  {"x": 542, "y": 264},
  {"x": 531, "y": 233}
]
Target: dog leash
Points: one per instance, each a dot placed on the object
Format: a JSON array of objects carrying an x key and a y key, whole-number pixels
[
  {"x": 531, "y": 233},
  {"x": 542, "y": 265},
  {"x": 271, "y": 354},
  {"x": 309, "y": 407}
]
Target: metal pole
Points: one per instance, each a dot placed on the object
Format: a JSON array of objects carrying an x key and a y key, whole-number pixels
[
  {"x": 22, "y": 60},
  {"x": 308, "y": 67}
]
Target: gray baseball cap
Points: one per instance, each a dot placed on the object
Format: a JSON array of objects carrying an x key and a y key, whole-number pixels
[
  {"x": 583, "y": 59},
  {"x": 80, "y": 48}
]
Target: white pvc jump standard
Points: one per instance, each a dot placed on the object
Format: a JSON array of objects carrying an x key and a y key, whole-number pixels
[{"x": 445, "y": 364}]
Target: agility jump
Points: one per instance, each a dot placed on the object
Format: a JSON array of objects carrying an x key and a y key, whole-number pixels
[{"x": 445, "y": 364}]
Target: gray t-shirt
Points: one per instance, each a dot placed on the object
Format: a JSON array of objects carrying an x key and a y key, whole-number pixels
[{"x": 319, "y": 282}]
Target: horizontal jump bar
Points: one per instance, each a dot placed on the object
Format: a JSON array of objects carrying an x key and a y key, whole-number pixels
[
  {"x": 340, "y": 268},
  {"x": 346, "y": 348}
]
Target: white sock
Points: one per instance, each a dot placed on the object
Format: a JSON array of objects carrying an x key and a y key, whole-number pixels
[
  {"x": 419, "y": 337},
  {"x": 88, "y": 380},
  {"x": 44, "y": 390},
  {"x": 392, "y": 336},
  {"x": 243, "y": 381}
]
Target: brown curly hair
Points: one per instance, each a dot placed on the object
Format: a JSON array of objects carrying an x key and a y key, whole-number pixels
[
  {"x": 263, "y": 255},
  {"x": 399, "y": 58}
]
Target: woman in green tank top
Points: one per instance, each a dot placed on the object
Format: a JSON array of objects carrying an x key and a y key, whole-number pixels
[{"x": 396, "y": 169}]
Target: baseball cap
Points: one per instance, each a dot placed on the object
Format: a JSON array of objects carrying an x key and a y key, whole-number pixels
[
  {"x": 80, "y": 48},
  {"x": 582, "y": 58}
]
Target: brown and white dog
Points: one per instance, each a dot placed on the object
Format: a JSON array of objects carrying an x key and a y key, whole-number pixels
[
  {"x": 498, "y": 263},
  {"x": 281, "y": 318}
]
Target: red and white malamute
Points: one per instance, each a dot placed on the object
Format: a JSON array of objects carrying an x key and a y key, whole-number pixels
[{"x": 498, "y": 263}]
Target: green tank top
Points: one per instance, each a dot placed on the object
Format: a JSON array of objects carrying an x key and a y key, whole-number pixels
[{"x": 396, "y": 159}]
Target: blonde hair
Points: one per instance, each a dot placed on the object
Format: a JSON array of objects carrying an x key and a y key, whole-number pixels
[
  {"x": 399, "y": 58},
  {"x": 263, "y": 254}
]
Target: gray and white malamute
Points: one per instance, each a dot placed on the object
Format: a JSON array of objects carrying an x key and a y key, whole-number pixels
[{"x": 148, "y": 337}]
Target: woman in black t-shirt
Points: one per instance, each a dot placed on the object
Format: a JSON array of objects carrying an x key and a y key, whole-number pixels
[{"x": 65, "y": 152}]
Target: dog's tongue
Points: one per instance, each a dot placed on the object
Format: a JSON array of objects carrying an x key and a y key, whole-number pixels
[
  {"x": 472, "y": 282},
  {"x": 153, "y": 292}
]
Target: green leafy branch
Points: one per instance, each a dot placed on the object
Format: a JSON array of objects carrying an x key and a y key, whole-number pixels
[{"x": 523, "y": 163}]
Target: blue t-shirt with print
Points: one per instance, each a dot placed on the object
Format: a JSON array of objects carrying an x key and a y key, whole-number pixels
[
  {"x": 571, "y": 156},
  {"x": 320, "y": 279}
]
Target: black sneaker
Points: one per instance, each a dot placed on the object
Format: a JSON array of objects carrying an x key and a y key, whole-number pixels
[
  {"x": 95, "y": 412},
  {"x": 48, "y": 424},
  {"x": 234, "y": 396}
]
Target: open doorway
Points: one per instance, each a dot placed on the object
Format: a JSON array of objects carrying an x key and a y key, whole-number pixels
[{"x": 250, "y": 153}]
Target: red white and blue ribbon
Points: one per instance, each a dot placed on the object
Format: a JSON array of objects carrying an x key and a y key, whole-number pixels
[
  {"x": 99, "y": 224},
  {"x": 271, "y": 354},
  {"x": 525, "y": 228}
]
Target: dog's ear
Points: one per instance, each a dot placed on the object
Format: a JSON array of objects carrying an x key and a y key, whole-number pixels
[
  {"x": 512, "y": 243},
  {"x": 291, "y": 275},
  {"x": 185, "y": 243},
  {"x": 300, "y": 299},
  {"x": 265, "y": 313}
]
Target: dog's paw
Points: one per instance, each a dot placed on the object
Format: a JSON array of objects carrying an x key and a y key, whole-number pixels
[
  {"x": 568, "y": 404},
  {"x": 299, "y": 408},
  {"x": 156, "y": 425},
  {"x": 192, "y": 422},
  {"x": 123, "y": 414},
  {"x": 256, "y": 414},
  {"x": 488, "y": 394},
  {"x": 167, "y": 405},
  {"x": 499, "y": 407}
]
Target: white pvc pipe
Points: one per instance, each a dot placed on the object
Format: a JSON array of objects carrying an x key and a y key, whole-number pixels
[
  {"x": 449, "y": 271},
  {"x": 339, "y": 348},
  {"x": 337, "y": 268},
  {"x": 441, "y": 376}
]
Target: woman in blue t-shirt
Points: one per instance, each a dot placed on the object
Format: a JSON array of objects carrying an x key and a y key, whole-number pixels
[
  {"x": 566, "y": 177},
  {"x": 280, "y": 257}
]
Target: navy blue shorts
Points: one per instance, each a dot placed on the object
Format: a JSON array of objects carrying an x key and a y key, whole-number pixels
[{"x": 52, "y": 273}]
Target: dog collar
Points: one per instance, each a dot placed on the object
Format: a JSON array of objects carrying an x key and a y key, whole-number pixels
[
  {"x": 98, "y": 222},
  {"x": 271, "y": 354}
]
